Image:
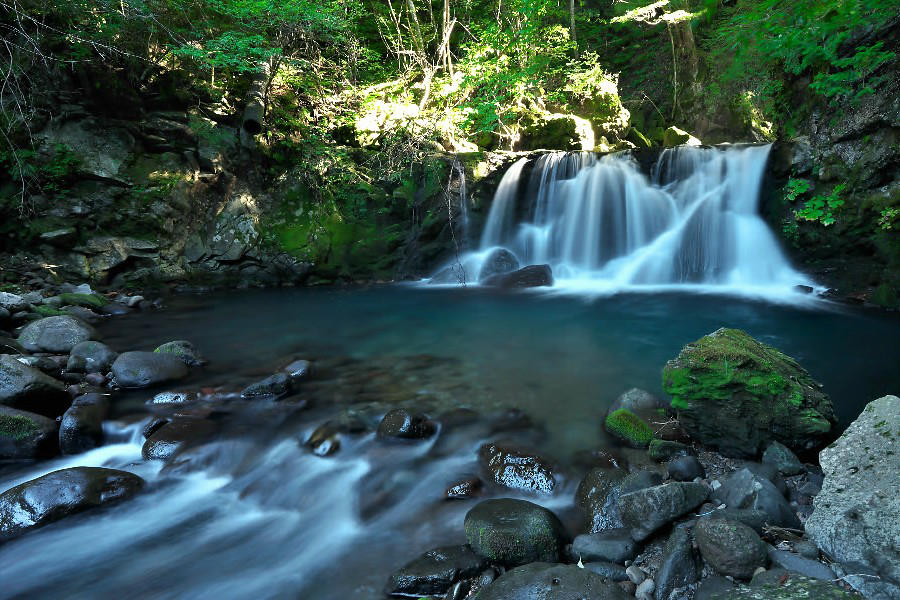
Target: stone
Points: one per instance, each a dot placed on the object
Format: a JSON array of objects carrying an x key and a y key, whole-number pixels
[
  {"x": 792, "y": 587},
  {"x": 752, "y": 518},
  {"x": 12, "y": 303},
  {"x": 84, "y": 300},
  {"x": 500, "y": 260},
  {"x": 298, "y": 370},
  {"x": 662, "y": 450},
  {"x": 783, "y": 459},
  {"x": 685, "y": 468},
  {"x": 737, "y": 395},
  {"x": 608, "y": 570},
  {"x": 638, "y": 401},
  {"x": 600, "y": 490},
  {"x": 530, "y": 276},
  {"x": 91, "y": 357},
  {"x": 731, "y": 548},
  {"x": 434, "y": 572},
  {"x": 628, "y": 428},
  {"x": 743, "y": 489},
  {"x": 26, "y": 388},
  {"x": 516, "y": 468},
  {"x": 673, "y": 136},
  {"x": 556, "y": 132},
  {"x": 26, "y": 435},
  {"x": 680, "y": 565},
  {"x": 400, "y": 423},
  {"x": 645, "y": 590},
  {"x": 59, "y": 494},
  {"x": 153, "y": 426},
  {"x": 144, "y": 369},
  {"x": 55, "y": 334},
  {"x": 274, "y": 386},
  {"x": 173, "y": 437},
  {"x": 856, "y": 515},
  {"x": 81, "y": 428},
  {"x": 468, "y": 488},
  {"x": 644, "y": 511},
  {"x": 174, "y": 398},
  {"x": 514, "y": 532},
  {"x": 612, "y": 545},
  {"x": 542, "y": 581},
  {"x": 714, "y": 587},
  {"x": 185, "y": 351},
  {"x": 798, "y": 564},
  {"x": 635, "y": 574},
  {"x": 768, "y": 471}
]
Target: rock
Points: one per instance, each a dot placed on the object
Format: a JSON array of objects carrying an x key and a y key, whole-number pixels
[
  {"x": 754, "y": 519},
  {"x": 85, "y": 315},
  {"x": 762, "y": 576},
  {"x": 174, "y": 398},
  {"x": 81, "y": 428},
  {"x": 91, "y": 357},
  {"x": 153, "y": 426},
  {"x": 783, "y": 459},
  {"x": 185, "y": 351},
  {"x": 174, "y": 436},
  {"x": 468, "y": 488},
  {"x": 685, "y": 468},
  {"x": 516, "y": 469},
  {"x": 635, "y": 574},
  {"x": 856, "y": 516},
  {"x": 298, "y": 370},
  {"x": 612, "y": 545},
  {"x": 274, "y": 387},
  {"x": 530, "y": 276},
  {"x": 714, "y": 587},
  {"x": 608, "y": 570},
  {"x": 662, "y": 450},
  {"x": 514, "y": 532},
  {"x": 59, "y": 494},
  {"x": 62, "y": 238},
  {"x": 402, "y": 424},
  {"x": 85, "y": 300},
  {"x": 600, "y": 490},
  {"x": 12, "y": 303},
  {"x": 674, "y": 136},
  {"x": 556, "y": 132},
  {"x": 325, "y": 440},
  {"x": 542, "y": 581},
  {"x": 731, "y": 548},
  {"x": 26, "y": 388},
  {"x": 792, "y": 587},
  {"x": 26, "y": 435},
  {"x": 737, "y": 395},
  {"x": 806, "y": 549},
  {"x": 144, "y": 369},
  {"x": 796, "y": 563},
  {"x": 500, "y": 260},
  {"x": 743, "y": 489},
  {"x": 644, "y": 511},
  {"x": 638, "y": 401},
  {"x": 11, "y": 346},
  {"x": 645, "y": 590},
  {"x": 680, "y": 565},
  {"x": 435, "y": 571},
  {"x": 629, "y": 428},
  {"x": 55, "y": 334},
  {"x": 769, "y": 472}
]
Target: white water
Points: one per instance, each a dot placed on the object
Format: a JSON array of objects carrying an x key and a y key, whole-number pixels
[{"x": 603, "y": 226}]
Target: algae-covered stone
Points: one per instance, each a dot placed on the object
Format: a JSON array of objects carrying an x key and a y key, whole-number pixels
[
  {"x": 673, "y": 136},
  {"x": 557, "y": 132},
  {"x": 513, "y": 532},
  {"x": 736, "y": 394},
  {"x": 629, "y": 428},
  {"x": 95, "y": 301},
  {"x": 184, "y": 350}
]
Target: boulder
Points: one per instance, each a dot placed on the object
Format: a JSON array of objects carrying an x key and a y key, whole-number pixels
[
  {"x": 514, "y": 532},
  {"x": 738, "y": 395},
  {"x": 638, "y": 401},
  {"x": 731, "y": 548},
  {"x": 274, "y": 387},
  {"x": 612, "y": 545},
  {"x": 791, "y": 587},
  {"x": 743, "y": 489},
  {"x": 500, "y": 260},
  {"x": 12, "y": 303},
  {"x": 89, "y": 300},
  {"x": 59, "y": 494},
  {"x": 516, "y": 468},
  {"x": 781, "y": 457},
  {"x": 673, "y": 136},
  {"x": 542, "y": 581},
  {"x": 91, "y": 357},
  {"x": 662, "y": 450},
  {"x": 185, "y": 351},
  {"x": 557, "y": 132},
  {"x": 799, "y": 564},
  {"x": 170, "y": 438},
  {"x": 81, "y": 428},
  {"x": 685, "y": 468},
  {"x": 26, "y": 435},
  {"x": 26, "y": 388},
  {"x": 629, "y": 428},
  {"x": 530, "y": 276},
  {"x": 752, "y": 518},
  {"x": 856, "y": 516},
  {"x": 143, "y": 369},
  {"x": 680, "y": 565},
  {"x": 644, "y": 511},
  {"x": 599, "y": 492},
  {"x": 611, "y": 571},
  {"x": 433, "y": 573},
  {"x": 400, "y": 423},
  {"x": 55, "y": 334}
]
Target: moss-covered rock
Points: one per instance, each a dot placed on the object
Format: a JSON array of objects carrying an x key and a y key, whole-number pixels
[
  {"x": 629, "y": 428},
  {"x": 85, "y": 300},
  {"x": 736, "y": 394},
  {"x": 673, "y": 136},
  {"x": 794, "y": 587},
  {"x": 557, "y": 132}
]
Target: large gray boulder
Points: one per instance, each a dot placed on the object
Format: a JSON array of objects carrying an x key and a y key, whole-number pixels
[
  {"x": 12, "y": 302},
  {"x": 55, "y": 334},
  {"x": 513, "y": 532},
  {"x": 646, "y": 510},
  {"x": 59, "y": 494},
  {"x": 731, "y": 548},
  {"x": 856, "y": 516},
  {"x": 26, "y": 435},
  {"x": 26, "y": 388},
  {"x": 500, "y": 260},
  {"x": 542, "y": 581},
  {"x": 745, "y": 489},
  {"x": 143, "y": 369},
  {"x": 91, "y": 357},
  {"x": 530, "y": 276}
]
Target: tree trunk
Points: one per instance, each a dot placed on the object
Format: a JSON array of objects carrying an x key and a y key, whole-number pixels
[{"x": 572, "y": 35}]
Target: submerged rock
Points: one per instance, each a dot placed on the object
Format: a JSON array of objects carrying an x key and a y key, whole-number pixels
[
  {"x": 499, "y": 260},
  {"x": 644, "y": 511},
  {"x": 737, "y": 395},
  {"x": 26, "y": 388},
  {"x": 514, "y": 532},
  {"x": 174, "y": 436},
  {"x": 516, "y": 469},
  {"x": 184, "y": 350},
  {"x": 403, "y": 424},
  {"x": 731, "y": 548},
  {"x": 91, "y": 357},
  {"x": 435, "y": 572},
  {"x": 530, "y": 276},
  {"x": 81, "y": 428},
  {"x": 275, "y": 386},
  {"x": 542, "y": 581},
  {"x": 143, "y": 369},
  {"x": 55, "y": 334},
  {"x": 59, "y": 494},
  {"x": 26, "y": 435}
]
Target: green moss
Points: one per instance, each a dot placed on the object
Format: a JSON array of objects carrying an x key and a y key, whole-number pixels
[
  {"x": 49, "y": 311},
  {"x": 629, "y": 428},
  {"x": 85, "y": 300},
  {"x": 17, "y": 427}
]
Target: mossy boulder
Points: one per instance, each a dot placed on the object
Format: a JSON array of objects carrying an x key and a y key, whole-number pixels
[
  {"x": 673, "y": 136},
  {"x": 557, "y": 132},
  {"x": 736, "y": 394},
  {"x": 94, "y": 301},
  {"x": 628, "y": 428},
  {"x": 514, "y": 532}
]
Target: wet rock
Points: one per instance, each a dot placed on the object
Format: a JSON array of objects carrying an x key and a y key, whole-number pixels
[
  {"x": 153, "y": 426},
  {"x": 174, "y": 398},
  {"x": 401, "y": 423},
  {"x": 743, "y": 489},
  {"x": 638, "y": 401},
  {"x": 673, "y": 136},
  {"x": 435, "y": 572},
  {"x": 85, "y": 315},
  {"x": 792, "y": 587},
  {"x": 325, "y": 440},
  {"x": 81, "y": 428},
  {"x": 516, "y": 468},
  {"x": 737, "y": 395},
  {"x": 514, "y": 532},
  {"x": 468, "y": 488},
  {"x": 530, "y": 276},
  {"x": 754, "y": 519},
  {"x": 635, "y": 574},
  {"x": 645, "y": 590},
  {"x": 685, "y": 468},
  {"x": 644, "y": 511},
  {"x": 783, "y": 459},
  {"x": 798, "y": 564},
  {"x": 95, "y": 379},
  {"x": 612, "y": 545},
  {"x": 541, "y": 581},
  {"x": 91, "y": 357},
  {"x": 714, "y": 587},
  {"x": 26, "y": 388},
  {"x": 856, "y": 519},
  {"x": 185, "y": 351},
  {"x": 498, "y": 261},
  {"x": 298, "y": 370},
  {"x": 26, "y": 435},
  {"x": 731, "y": 548},
  {"x": 55, "y": 334},
  {"x": 173, "y": 437},
  {"x": 12, "y": 303},
  {"x": 608, "y": 570},
  {"x": 770, "y": 472},
  {"x": 274, "y": 387},
  {"x": 680, "y": 565},
  {"x": 806, "y": 549},
  {"x": 662, "y": 450},
  {"x": 599, "y": 492},
  {"x": 59, "y": 494},
  {"x": 628, "y": 428},
  {"x": 144, "y": 369}
]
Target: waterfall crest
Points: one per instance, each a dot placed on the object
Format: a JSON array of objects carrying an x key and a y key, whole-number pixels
[{"x": 602, "y": 224}]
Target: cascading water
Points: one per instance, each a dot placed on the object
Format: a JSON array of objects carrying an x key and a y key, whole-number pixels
[{"x": 603, "y": 225}]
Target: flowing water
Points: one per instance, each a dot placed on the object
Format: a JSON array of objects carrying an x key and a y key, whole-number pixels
[{"x": 253, "y": 514}]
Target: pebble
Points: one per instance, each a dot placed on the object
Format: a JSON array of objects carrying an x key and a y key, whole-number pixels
[{"x": 635, "y": 574}]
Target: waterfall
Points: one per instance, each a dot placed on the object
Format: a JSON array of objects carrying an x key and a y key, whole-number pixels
[{"x": 601, "y": 224}]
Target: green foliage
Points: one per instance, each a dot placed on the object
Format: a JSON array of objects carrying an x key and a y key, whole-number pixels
[
  {"x": 795, "y": 188},
  {"x": 889, "y": 218},
  {"x": 629, "y": 427},
  {"x": 822, "y": 209},
  {"x": 41, "y": 170}
]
